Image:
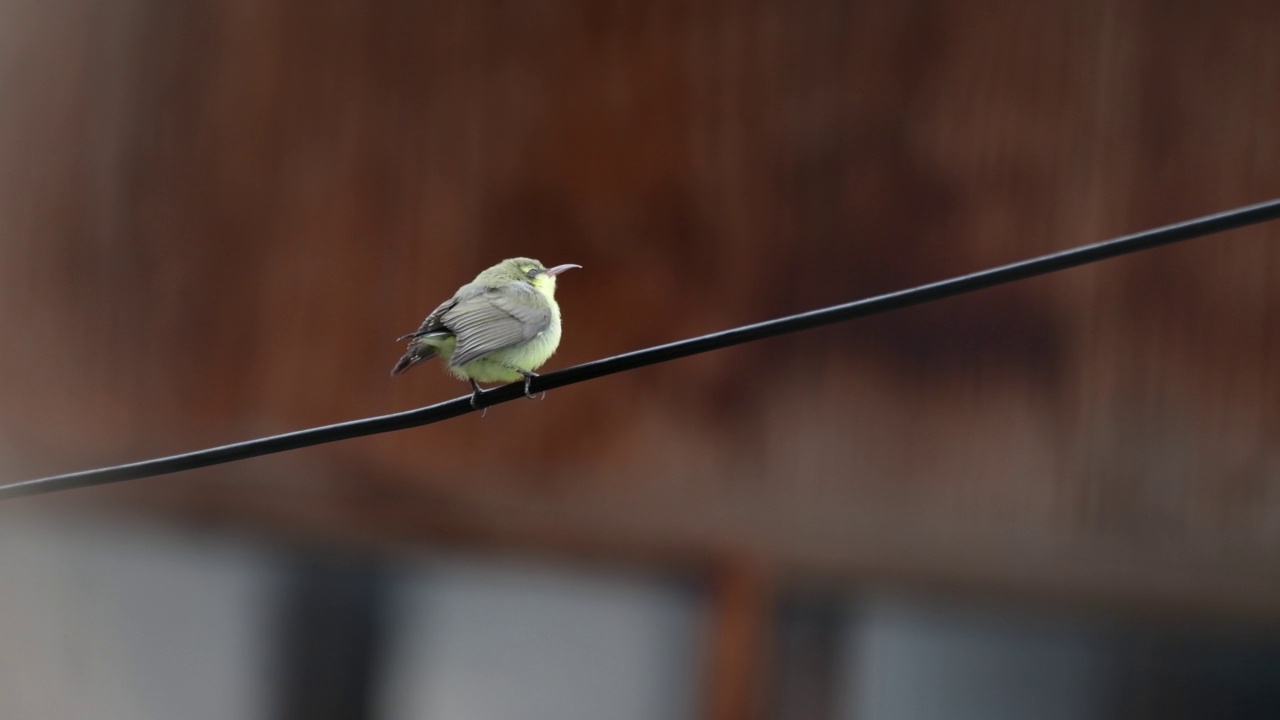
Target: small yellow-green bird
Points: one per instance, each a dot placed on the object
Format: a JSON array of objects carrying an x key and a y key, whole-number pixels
[{"x": 500, "y": 327}]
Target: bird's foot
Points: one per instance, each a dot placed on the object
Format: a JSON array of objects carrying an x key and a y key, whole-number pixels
[
  {"x": 476, "y": 392},
  {"x": 529, "y": 375}
]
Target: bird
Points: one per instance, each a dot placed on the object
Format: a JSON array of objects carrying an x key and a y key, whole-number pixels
[{"x": 500, "y": 327}]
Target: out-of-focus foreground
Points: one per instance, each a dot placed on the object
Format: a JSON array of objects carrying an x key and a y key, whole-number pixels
[{"x": 1058, "y": 499}]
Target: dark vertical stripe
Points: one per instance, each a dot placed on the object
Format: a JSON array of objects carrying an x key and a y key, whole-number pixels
[
  {"x": 330, "y": 626},
  {"x": 809, "y": 649}
]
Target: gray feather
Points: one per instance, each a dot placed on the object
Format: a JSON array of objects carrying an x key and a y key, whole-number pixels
[
  {"x": 495, "y": 319},
  {"x": 434, "y": 322}
]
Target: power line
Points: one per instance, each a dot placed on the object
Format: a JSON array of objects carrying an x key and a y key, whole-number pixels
[{"x": 1042, "y": 265}]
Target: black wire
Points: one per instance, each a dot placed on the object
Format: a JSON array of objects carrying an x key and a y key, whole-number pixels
[{"x": 1199, "y": 227}]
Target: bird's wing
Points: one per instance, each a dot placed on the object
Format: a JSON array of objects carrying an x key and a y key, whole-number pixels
[
  {"x": 434, "y": 322},
  {"x": 494, "y": 320}
]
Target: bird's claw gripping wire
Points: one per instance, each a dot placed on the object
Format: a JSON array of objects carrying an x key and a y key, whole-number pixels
[
  {"x": 476, "y": 392},
  {"x": 529, "y": 375}
]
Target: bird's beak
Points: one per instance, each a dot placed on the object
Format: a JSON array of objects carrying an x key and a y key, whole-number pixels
[{"x": 561, "y": 268}]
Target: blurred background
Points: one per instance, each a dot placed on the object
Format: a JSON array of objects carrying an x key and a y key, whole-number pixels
[{"x": 1056, "y": 499}]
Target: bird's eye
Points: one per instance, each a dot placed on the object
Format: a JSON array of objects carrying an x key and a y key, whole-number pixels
[{"x": 533, "y": 272}]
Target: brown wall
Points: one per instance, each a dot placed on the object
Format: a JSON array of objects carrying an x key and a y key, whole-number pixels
[{"x": 214, "y": 217}]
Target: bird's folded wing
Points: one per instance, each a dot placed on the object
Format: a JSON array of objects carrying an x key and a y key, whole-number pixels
[
  {"x": 435, "y": 321},
  {"x": 497, "y": 319}
]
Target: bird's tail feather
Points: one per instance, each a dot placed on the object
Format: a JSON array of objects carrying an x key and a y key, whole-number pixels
[{"x": 417, "y": 352}]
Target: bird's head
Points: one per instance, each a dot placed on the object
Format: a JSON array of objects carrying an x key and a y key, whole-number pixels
[{"x": 525, "y": 270}]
